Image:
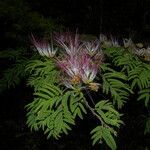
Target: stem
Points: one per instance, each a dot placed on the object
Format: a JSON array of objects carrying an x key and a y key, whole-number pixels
[
  {"x": 90, "y": 96},
  {"x": 92, "y": 109}
]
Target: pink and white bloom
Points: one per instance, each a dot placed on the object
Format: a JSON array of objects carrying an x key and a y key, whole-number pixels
[
  {"x": 128, "y": 43},
  {"x": 70, "y": 43},
  {"x": 44, "y": 48},
  {"x": 89, "y": 74},
  {"x": 92, "y": 46},
  {"x": 89, "y": 69},
  {"x": 79, "y": 69},
  {"x": 114, "y": 42},
  {"x": 102, "y": 38},
  {"x": 142, "y": 51},
  {"x": 70, "y": 65},
  {"x": 79, "y": 63}
]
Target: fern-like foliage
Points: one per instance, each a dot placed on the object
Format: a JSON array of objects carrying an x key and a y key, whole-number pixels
[
  {"x": 11, "y": 54},
  {"x": 122, "y": 58},
  {"x": 47, "y": 111},
  {"x": 140, "y": 80},
  {"x": 13, "y": 76},
  {"x": 107, "y": 112},
  {"x": 136, "y": 71},
  {"x": 126, "y": 61},
  {"x": 144, "y": 95},
  {"x": 103, "y": 133},
  {"x": 16, "y": 71},
  {"x": 140, "y": 76},
  {"x": 115, "y": 84},
  {"x": 54, "y": 110},
  {"x": 42, "y": 71},
  {"x": 76, "y": 104},
  {"x": 109, "y": 118}
]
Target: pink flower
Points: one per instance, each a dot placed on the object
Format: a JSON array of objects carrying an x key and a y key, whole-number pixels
[
  {"x": 92, "y": 47},
  {"x": 70, "y": 43},
  {"x": 89, "y": 68},
  {"x": 70, "y": 65},
  {"x": 114, "y": 42},
  {"x": 79, "y": 68},
  {"x": 89, "y": 73},
  {"x": 79, "y": 63},
  {"x": 44, "y": 48}
]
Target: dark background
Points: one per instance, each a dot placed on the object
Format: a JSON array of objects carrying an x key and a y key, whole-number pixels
[
  {"x": 20, "y": 18},
  {"x": 122, "y": 18}
]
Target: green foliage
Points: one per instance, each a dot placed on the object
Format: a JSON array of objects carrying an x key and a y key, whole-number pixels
[
  {"x": 126, "y": 61},
  {"x": 47, "y": 112},
  {"x": 110, "y": 118},
  {"x": 140, "y": 76},
  {"x": 136, "y": 71},
  {"x": 42, "y": 71},
  {"x": 54, "y": 110},
  {"x": 105, "y": 133},
  {"x": 144, "y": 94},
  {"x": 107, "y": 112},
  {"x": 115, "y": 83},
  {"x": 13, "y": 76},
  {"x": 11, "y": 54},
  {"x": 122, "y": 58},
  {"x": 16, "y": 69}
]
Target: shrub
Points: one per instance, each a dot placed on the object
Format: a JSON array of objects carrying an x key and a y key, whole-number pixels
[{"x": 66, "y": 72}]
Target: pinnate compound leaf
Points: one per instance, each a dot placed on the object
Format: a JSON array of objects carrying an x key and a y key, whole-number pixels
[{"x": 101, "y": 133}]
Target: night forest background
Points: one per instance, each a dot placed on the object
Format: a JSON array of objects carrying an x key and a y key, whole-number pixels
[{"x": 20, "y": 18}]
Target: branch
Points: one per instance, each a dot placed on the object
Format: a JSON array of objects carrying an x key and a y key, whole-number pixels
[
  {"x": 90, "y": 96},
  {"x": 93, "y": 112}
]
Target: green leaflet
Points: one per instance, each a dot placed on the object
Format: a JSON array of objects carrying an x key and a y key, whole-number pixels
[
  {"x": 109, "y": 116},
  {"x": 97, "y": 135},
  {"x": 140, "y": 77},
  {"x": 39, "y": 66},
  {"x": 13, "y": 76},
  {"x": 106, "y": 111},
  {"x": 115, "y": 83},
  {"x": 43, "y": 71},
  {"x": 12, "y": 54},
  {"x": 144, "y": 95},
  {"x": 76, "y": 104},
  {"x": 103, "y": 133},
  {"x": 106, "y": 134}
]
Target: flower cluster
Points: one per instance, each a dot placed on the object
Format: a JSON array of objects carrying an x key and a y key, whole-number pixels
[
  {"x": 43, "y": 47},
  {"x": 70, "y": 43},
  {"x": 108, "y": 42},
  {"x": 80, "y": 61}
]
